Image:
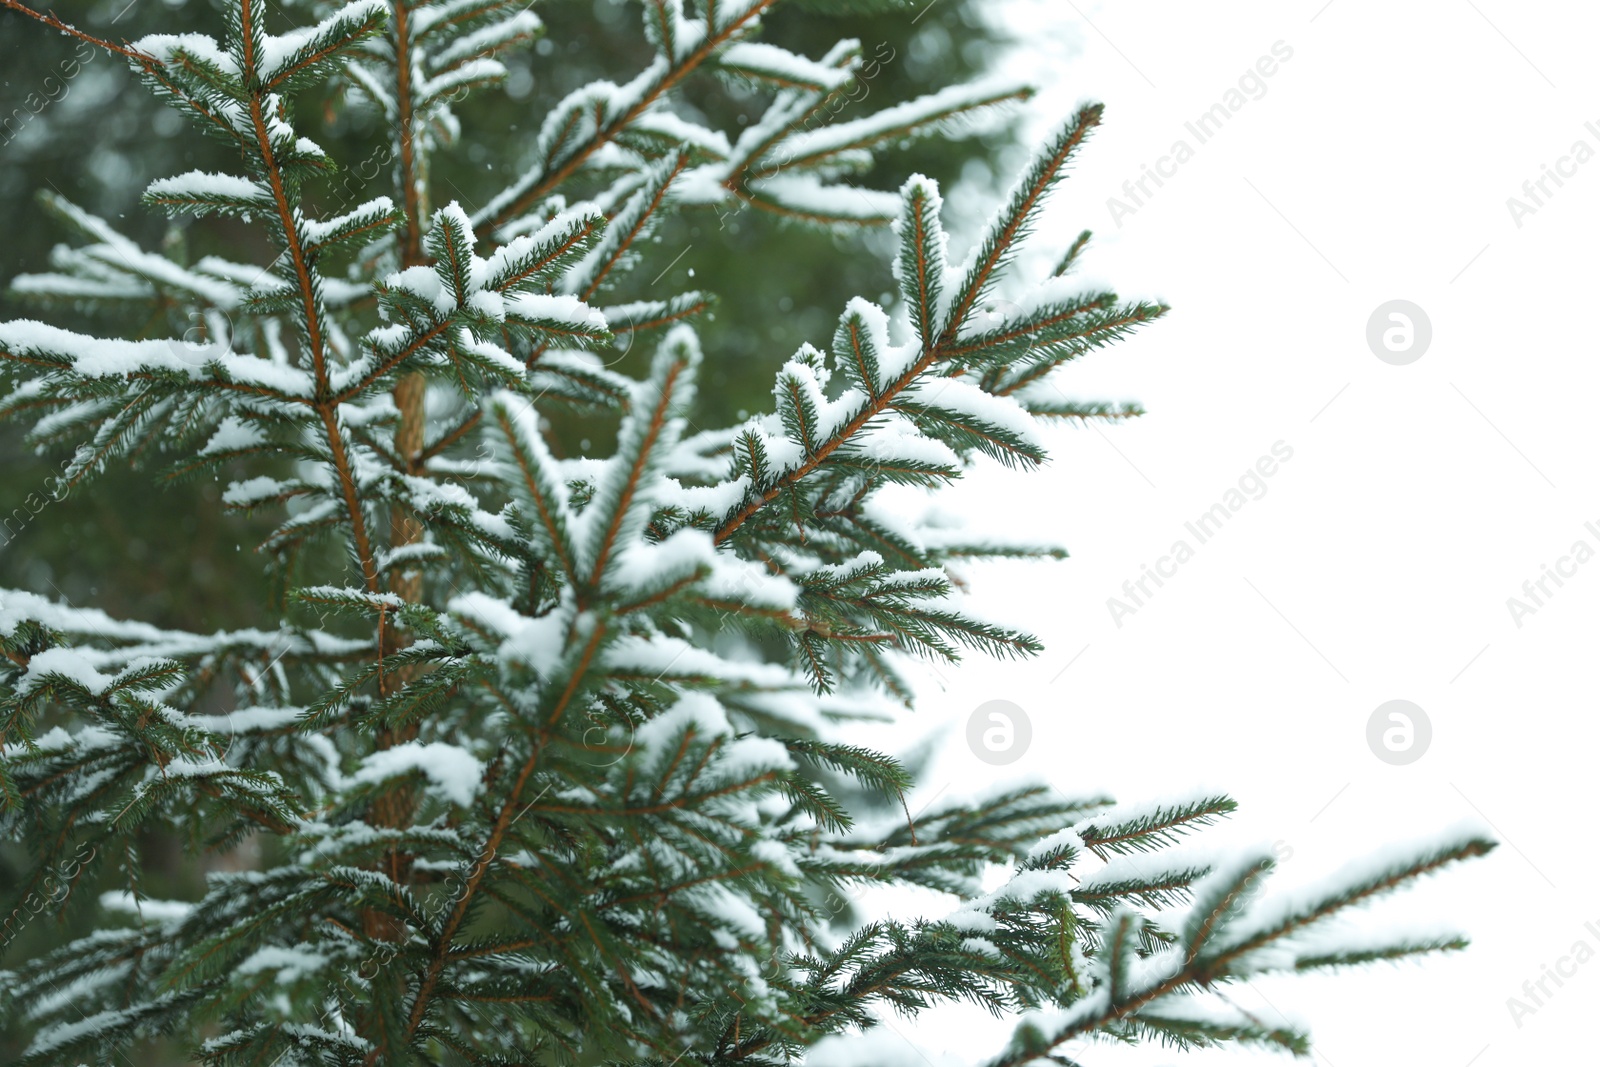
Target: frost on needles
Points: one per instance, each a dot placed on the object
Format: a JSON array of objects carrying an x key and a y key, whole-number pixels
[{"x": 555, "y": 773}]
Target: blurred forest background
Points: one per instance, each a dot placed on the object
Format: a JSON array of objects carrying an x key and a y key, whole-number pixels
[{"x": 78, "y": 125}]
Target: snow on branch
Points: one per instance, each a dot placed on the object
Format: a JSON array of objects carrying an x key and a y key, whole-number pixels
[{"x": 550, "y": 727}]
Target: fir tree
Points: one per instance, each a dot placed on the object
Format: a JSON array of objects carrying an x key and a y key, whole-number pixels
[{"x": 551, "y": 771}]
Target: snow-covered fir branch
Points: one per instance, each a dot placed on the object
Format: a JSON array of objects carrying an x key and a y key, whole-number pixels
[{"x": 549, "y": 765}]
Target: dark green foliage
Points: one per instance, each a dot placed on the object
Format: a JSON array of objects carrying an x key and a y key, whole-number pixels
[{"x": 553, "y": 769}]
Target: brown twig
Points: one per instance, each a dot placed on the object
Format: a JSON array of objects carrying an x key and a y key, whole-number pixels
[{"x": 49, "y": 18}]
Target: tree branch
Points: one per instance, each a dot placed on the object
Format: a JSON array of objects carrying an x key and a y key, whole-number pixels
[{"x": 548, "y": 183}]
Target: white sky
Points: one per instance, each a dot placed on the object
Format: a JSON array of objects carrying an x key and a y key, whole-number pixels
[{"x": 1377, "y": 566}]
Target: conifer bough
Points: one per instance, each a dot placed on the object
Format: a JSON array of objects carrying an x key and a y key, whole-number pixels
[{"x": 552, "y": 771}]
